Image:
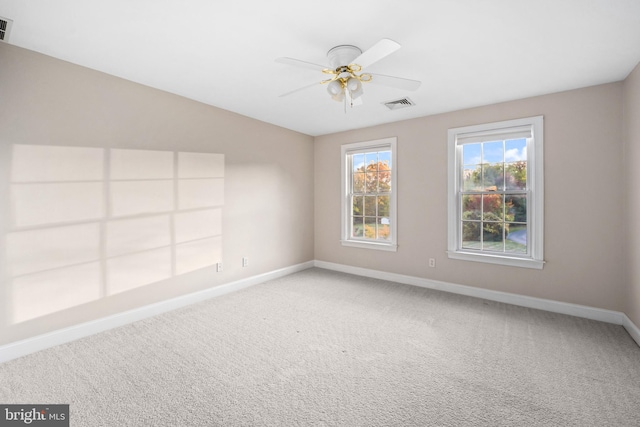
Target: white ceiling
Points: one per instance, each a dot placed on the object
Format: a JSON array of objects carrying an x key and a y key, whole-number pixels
[{"x": 466, "y": 52}]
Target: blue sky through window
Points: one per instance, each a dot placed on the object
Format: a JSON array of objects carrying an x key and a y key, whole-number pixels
[
  {"x": 515, "y": 150},
  {"x": 493, "y": 152},
  {"x": 358, "y": 161},
  {"x": 512, "y": 150},
  {"x": 385, "y": 157},
  {"x": 361, "y": 159}
]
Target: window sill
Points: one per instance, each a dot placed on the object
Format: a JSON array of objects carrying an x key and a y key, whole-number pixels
[
  {"x": 370, "y": 245},
  {"x": 497, "y": 259}
]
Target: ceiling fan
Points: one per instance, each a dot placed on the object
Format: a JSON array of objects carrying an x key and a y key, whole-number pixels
[{"x": 345, "y": 65}]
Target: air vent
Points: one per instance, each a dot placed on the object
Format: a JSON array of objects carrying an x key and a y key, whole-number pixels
[
  {"x": 5, "y": 29},
  {"x": 399, "y": 103}
]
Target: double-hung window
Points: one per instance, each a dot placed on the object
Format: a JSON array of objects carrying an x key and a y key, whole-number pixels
[
  {"x": 496, "y": 193},
  {"x": 369, "y": 194}
]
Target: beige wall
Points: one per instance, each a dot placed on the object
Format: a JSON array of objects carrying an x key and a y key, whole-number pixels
[
  {"x": 583, "y": 199},
  {"x": 270, "y": 201},
  {"x": 632, "y": 205},
  {"x": 268, "y": 206}
]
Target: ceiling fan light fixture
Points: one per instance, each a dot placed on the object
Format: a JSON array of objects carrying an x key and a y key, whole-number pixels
[
  {"x": 353, "y": 84},
  {"x": 338, "y": 97},
  {"x": 355, "y": 88},
  {"x": 336, "y": 90}
]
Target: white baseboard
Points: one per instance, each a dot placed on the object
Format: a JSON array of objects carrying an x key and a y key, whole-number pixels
[
  {"x": 631, "y": 328},
  {"x": 51, "y": 339},
  {"x": 593, "y": 313}
]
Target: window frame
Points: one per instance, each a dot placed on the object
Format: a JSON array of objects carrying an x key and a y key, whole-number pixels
[
  {"x": 384, "y": 144},
  {"x": 535, "y": 192}
]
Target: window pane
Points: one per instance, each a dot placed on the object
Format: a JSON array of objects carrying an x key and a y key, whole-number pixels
[
  {"x": 516, "y": 208},
  {"x": 370, "y": 205},
  {"x": 384, "y": 158},
  {"x": 472, "y": 178},
  {"x": 383, "y": 206},
  {"x": 516, "y": 176},
  {"x": 471, "y": 207},
  {"x": 471, "y": 154},
  {"x": 358, "y": 227},
  {"x": 372, "y": 182},
  {"x": 370, "y": 227},
  {"x": 492, "y": 236},
  {"x": 358, "y": 182},
  {"x": 358, "y": 162},
  {"x": 384, "y": 179},
  {"x": 515, "y": 150},
  {"x": 358, "y": 205},
  {"x": 493, "y": 207},
  {"x": 471, "y": 235},
  {"x": 516, "y": 238},
  {"x": 384, "y": 229},
  {"x": 493, "y": 152},
  {"x": 492, "y": 177},
  {"x": 371, "y": 160}
]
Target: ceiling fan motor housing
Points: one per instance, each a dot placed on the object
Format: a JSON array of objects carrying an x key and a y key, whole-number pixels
[{"x": 342, "y": 55}]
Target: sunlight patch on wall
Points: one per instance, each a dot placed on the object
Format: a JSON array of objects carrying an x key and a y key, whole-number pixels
[{"x": 88, "y": 223}]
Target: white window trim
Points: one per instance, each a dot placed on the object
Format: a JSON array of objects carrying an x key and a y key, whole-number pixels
[
  {"x": 346, "y": 240},
  {"x": 535, "y": 181}
]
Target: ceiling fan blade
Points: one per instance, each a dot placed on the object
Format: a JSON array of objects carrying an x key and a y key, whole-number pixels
[
  {"x": 396, "y": 82},
  {"x": 299, "y": 89},
  {"x": 376, "y": 52},
  {"x": 299, "y": 63}
]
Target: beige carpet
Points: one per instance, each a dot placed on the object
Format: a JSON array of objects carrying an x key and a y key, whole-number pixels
[{"x": 320, "y": 348}]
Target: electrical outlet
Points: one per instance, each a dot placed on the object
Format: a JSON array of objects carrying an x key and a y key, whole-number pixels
[
  {"x": 219, "y": 267},
  {"x": 432, "y": 262},
  {"x": 245, "y": 261}
]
